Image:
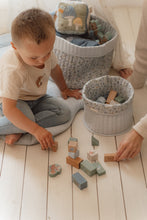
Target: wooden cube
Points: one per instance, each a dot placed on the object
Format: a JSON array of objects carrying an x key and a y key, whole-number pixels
[
  {"x": 109, "y": 157},
  {"x": 72, "y": 139},
  {"x": 54, "y": 146},
  {"x": 74, "y": 154},
  {"x": 72, "y": 146},
  {"x": 92, "y": 155},
  {"x": 74, "y": 162},
  {"x": 79, "y": 180}
]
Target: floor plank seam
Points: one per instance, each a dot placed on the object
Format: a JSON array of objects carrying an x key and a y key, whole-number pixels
[
  {"x": 3, "y": 153},
  {"x": 72, "y": 194},
  {"x": 47, "y": 186},
  {"x": 98, "y": 202},
  {"x": 23, "y": 182},
  {"x": 121, "y": 182},
  {"x": 143, "y": 169}
]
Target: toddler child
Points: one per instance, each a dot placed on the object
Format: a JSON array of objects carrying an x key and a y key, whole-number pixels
[{"x": 24, "y": 72}]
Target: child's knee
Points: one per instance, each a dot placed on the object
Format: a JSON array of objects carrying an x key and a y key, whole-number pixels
[{"x": 25, "y": 109}]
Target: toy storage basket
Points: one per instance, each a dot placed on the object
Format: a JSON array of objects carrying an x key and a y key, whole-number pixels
[
  {"x": 106, "y": 119},
  {"x": 80, "y": 64}
]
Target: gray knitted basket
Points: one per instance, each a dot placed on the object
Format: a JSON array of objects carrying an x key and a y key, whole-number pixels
[
  {"x": 106, "y": 119},
  {"x": 80, "y": 64}
]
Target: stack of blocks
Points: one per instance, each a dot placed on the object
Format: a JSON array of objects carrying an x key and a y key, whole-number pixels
[
  {"x": 73, "y": 153},
  {"x": 92, "y": 155}
]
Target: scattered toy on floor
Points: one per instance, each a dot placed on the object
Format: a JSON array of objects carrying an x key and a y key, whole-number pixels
[
  {"x": 100, "y": 170},
  {"x": 109, "y": 157},
  {"x": 54, "y": 170},
  {"x": 92, "y": 155},
  {"x": 54, "y": 147},
  {"x": 94, "y": 141},
  {"x": 79, "y": 180},
  {"x": 74, "y": 162},
  {"x": 91, "y": 168},
  {"x": 72, "y": 146}
]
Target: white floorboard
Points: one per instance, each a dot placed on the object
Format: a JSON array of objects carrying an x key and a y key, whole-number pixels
[
  {"x": 11, "y": 182},
  {"x": 60, "y": 187},
  {"x": 85, "y": 203},
  {"x": 35, "y": 184}
]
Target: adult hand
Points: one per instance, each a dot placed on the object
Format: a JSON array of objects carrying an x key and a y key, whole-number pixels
[
  {"x": 130, "y": 146},
  {"x": 125, "y": 73},
  {"x": 71, "y": 93}
]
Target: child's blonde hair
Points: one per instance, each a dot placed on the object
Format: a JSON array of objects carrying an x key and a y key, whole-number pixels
[{"x": 35, "y": 24}]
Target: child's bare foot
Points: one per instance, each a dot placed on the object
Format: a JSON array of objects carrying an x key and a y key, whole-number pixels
[
  {"x": 12, "y": 138},
  {"x": 125, "y": 73}
]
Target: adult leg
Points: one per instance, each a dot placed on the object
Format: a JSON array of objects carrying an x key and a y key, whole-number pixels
[{"x": 50, "y": 111}]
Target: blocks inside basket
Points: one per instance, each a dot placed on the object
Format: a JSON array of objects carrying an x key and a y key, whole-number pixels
[{"x": 107, "y": 118}]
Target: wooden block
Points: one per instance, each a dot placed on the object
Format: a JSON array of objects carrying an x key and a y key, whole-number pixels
[
  {"x": 100, "y": 170},
  {"x": 88, "y": 168},
  {"x": 109, "y": 157},
  {"x": 74, "y": 154},
  {"x": 54, "y": 170},
  {"x": 94, "y": 141},
  {"x": 72, "y": 146},
  {"x": 74, "y": 162},
  {"x": 54, "y": 146},
  {"x": 79, "y": 180},
  {"x": 92, "y": 155},
  {"x": 72, "y": 139},
  {"x": 111, "y": 96}
]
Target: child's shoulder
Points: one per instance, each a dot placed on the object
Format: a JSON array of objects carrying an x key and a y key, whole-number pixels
[{"x": 9, "y": 59}]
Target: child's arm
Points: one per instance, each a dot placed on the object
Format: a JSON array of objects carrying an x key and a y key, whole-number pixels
[
  {"x": 130, "y": 146},
  {"x": 21, "y": 121},
  {"x": 58, "y": 77}
]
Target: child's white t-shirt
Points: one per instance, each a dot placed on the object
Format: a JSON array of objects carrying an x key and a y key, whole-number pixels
[{"x": 21, "y": 81}]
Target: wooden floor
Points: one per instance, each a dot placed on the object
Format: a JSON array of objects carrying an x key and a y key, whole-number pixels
[{"x": 28, "y": 193}]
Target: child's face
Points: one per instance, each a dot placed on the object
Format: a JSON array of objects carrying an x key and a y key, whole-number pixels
[{"x": 33, "y": 54}]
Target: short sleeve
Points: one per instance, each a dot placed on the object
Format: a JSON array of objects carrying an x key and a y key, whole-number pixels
[
  {"x": 54, "y": 61},
  {"x": 10, "y": 83}
]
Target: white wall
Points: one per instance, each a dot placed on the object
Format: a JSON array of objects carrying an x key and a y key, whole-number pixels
[
  {"x": 116, "y": 3},
  {"x": 6, "y": 7}
]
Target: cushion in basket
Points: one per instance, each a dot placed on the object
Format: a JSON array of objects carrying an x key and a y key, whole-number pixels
[{"x": 72, "y": 17}]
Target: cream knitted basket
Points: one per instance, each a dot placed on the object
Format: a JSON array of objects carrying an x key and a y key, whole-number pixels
[
  {"x": 80, "y": 64},
  {"x": 106, "y": 119}
]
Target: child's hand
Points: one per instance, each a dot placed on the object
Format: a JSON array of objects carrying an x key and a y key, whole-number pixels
[
  {"x": 71, "y": 93},
  {"x": 125, "y": 73},
  {"x": 130, "y": 146},
  {"x": 44, "y": 137}
]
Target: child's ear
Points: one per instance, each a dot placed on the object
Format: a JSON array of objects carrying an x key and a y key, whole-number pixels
[{"x": 12, "y": 44}]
